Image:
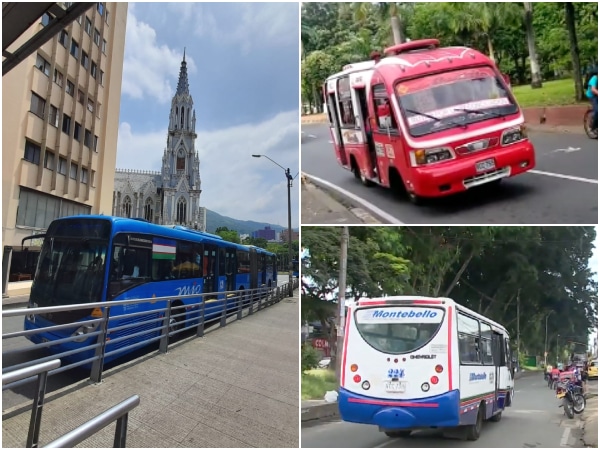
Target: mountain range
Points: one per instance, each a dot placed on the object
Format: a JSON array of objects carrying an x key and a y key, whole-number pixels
[{"x": 215, "y": 220}]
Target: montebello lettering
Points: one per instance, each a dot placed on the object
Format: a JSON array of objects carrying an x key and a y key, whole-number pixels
[
  {"x": 477, "y": 376},
  {"x": 412, "y": 314}
]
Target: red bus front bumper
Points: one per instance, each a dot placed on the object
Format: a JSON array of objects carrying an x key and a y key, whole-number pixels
[{"x": 458, "y": 175}]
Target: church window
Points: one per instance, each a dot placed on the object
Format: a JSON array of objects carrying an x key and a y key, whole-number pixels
[
  {"x": 127, "y": 206},
  {"x": 149, "y": 210},
  {"x": 181, "y": 210},
  {"x": 176, "y": 116},
  {"x": 181, "y": 160},
  {"x": 182, "y": 116}
]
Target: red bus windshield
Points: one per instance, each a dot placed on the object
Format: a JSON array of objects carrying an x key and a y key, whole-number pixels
[{"x": 457, "y": 98}]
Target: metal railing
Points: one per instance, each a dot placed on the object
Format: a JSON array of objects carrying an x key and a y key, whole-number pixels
[
  {"x": 41, "y": 371},
  {"x": 119, "y": 412},
  {"x": 106, "y": 337}
]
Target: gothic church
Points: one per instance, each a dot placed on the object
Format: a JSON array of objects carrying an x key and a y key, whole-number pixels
[{"x": 171, "y": 196}]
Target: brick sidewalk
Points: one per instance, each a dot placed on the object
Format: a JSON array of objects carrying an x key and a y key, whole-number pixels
[
  {"x": 590, "y": 423},
  {"x": 235, "y": 387}
]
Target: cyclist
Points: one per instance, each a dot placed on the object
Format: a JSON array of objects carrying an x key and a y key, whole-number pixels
[{"x": 592, "y": 94}]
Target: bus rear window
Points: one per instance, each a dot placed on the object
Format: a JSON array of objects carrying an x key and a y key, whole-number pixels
[{"x": 397, "y": 330}]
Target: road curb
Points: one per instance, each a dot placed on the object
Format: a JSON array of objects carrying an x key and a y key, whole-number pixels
[
  {"x": 369, "y": 214},
  {"x": 320, "y": 413},
  {"x": 590, "y": 423}
]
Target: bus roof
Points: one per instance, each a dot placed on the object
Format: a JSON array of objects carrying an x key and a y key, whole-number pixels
[
  {"x": 418, "y": 299},
  {"x": 418, "y": 63}
]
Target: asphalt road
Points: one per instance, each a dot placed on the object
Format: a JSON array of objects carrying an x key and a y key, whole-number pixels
[
  {"x": 562, "y": 190},
  {"x": 534, "y": 420}
]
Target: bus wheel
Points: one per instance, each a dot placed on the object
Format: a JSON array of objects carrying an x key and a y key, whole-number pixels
[
  {"x": 496, "y": 417},
  {"x": 414, "y": 198},
  {"x": 473, "y": 431},
  {"x": 398, "y": 433}
]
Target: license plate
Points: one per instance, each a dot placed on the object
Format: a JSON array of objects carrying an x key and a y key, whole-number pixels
[
  {"x": 395, "y": 386},
  {"x": 484, "y": 166}
]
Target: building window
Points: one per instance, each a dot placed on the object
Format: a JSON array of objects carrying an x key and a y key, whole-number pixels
[
  {"x": 79, "y": 20},
  {"x": 94, "y": 70},
  {"x": 84, "y": 175},
  {"x": 96, "y": 37},
  {"x": 38, "y": 210},
  {"x": 180, "y": 160},
  {"x": 73, "y": 172},
  {"x": 90, "y": 105},
  {"x": 85, "y": 61},
  {"x": 88, "y": 139},
  {"x": 46, "y": 18},
  {"x": 181, "y": 210},
  {"x": 127, "y": 206},
  {"x": 95, "y": 143},
  {"x": 74, "y": 49},
  {"x": 43, "y": 65},
  {"x": 53, "y": 116},
  {"x": 104, "y": 46},
  {"x": 93, "y": 178},
  {"x": 49, "y": 160},
  {"x": 63, "y": 38},
  {"x": 32, "y": 152},
  {"x": 77, "y": 132},
  {"x": 62, "y": 166},
  {"x": 101, "y": 78},
  {"x": 58, "y": 77},
  {"x": 106, "y": 18},
  {"x": 66, "y": 125},
  {"x": 101, "y": 9},
  {"x": 149, "y": 210},
  {"x": 80, "y": 96},
  {"x": 88, "y": 25},
  {"x": 38, "y": 105},
  {"x": 70, "y": 88}
]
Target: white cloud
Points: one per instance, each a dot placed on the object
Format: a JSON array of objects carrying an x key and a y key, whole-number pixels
[
  {"x": 149, "y": 69},
  {"x": 249, "y": 25},
  {"x": 233, "y": 183}
]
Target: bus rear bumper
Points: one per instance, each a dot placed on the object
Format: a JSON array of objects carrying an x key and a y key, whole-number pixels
[{"x": 438, "y": 411}]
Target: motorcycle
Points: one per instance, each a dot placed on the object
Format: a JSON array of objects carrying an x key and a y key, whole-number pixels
[{"x": 573, "y": 400}]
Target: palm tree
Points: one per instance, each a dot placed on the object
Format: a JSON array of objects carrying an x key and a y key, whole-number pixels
[
  {"x": 385, "y": 11},
  {"x": 536, "y": 77}
]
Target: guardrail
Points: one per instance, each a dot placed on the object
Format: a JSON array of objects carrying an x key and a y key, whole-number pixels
[
  {"x": 162, "y": 319},
  {"x": 119, "y": 412},
  {"x": 41, "y": 370}
]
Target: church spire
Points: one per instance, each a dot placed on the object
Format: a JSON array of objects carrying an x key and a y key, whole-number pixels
[{"x": 183, "y": 86}]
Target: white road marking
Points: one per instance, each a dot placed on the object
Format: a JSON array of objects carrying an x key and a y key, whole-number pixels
[
  {"x": 565, "y": 177},
  {"x": 565, "y": 437},
  {"x": 567, "y": 150},
  {"x": 365, "y": 204},
  {"x": 330, "y": 141}
]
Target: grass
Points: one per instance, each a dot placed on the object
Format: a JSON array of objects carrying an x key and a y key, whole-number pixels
[
  {"x": 316, "y": 382},
  {"x": 552, "y": 93}
]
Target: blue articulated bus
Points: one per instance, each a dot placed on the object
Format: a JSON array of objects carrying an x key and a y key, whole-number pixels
[{"x": 87, "y": 259}]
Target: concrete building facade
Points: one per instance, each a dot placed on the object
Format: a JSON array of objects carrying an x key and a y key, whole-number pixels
[
  {"x": 60, "y": 122},
  {"x": 171, "y": 196}
]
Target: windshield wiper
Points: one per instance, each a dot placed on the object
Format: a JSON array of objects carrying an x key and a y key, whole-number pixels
[
  {"x": 422, "y": 114},
  {"x": 479, "y": 111}
]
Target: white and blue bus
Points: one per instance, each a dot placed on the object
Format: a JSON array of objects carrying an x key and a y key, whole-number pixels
[
  {"x": 87, "y": 259},
  {"x": 411, "y": 363}
]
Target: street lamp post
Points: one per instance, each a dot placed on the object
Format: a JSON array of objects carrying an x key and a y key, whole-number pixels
[{"x": 289, "y": 178}]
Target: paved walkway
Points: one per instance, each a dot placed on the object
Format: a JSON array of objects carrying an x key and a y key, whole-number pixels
[
  {"x": 319, "y": 207},
  {"x": 235, "y": 387}
]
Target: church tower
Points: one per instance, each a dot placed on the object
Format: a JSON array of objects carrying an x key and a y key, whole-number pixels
[{"x": 180, "y": 173}]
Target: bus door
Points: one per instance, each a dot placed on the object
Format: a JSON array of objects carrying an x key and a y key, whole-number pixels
[
  {"x": 263, "y": 269},
  {"x": 222, "y": 273},
  {"x": 386, "y": 135},
  {"x": 359, "y": 99},
  {"x": 253, "y": 268},
  {"x": 230, "y": 269},
  {"x": 497, "y": 354},
  {"x": 334, "y": 122},
  {"x": 209, "y": 268}
]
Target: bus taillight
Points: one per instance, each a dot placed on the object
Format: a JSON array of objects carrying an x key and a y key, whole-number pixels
[
  {"x": 434, "y": 380},
  {"x": 353, "y": 368},
  {"x": 357, "y": 378},
  {"x": 439, "y": 368}
]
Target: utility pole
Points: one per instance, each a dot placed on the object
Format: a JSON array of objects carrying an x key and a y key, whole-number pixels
[
  {"x": 518, "y": 329},
  {"x": 341, "y": 319}
]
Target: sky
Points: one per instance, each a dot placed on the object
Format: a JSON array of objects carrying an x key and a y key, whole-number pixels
[{"x": 243, "y": 71}]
